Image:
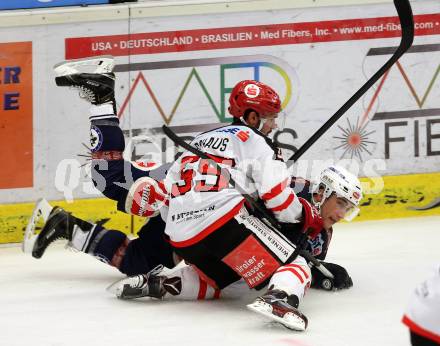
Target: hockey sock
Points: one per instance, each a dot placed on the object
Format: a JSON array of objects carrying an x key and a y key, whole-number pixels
[
  {"x": 107, "y": 145},
  {"x": 110, "y": 247},
  {"x": 106, "y": 137}
]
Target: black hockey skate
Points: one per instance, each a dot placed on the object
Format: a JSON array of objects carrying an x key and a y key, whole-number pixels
[
  {"x": 92, "y": 76},
  {"x": 146, "y": 285},
  {"x": 97, "y": 88},
  {"x": 59, "y": 225},
  {"x": 279, "y": 307}
]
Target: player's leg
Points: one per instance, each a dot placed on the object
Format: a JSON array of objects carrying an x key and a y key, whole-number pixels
[
  {"x": 81, "y": 235},
  {"x": 240, "y": 251},
  {"x": 222, "y": 258},
  {"x": 182, "y": 282},
  {"x": 203, "y": 279},
  {"x": 286, "y": 290},
  {"x": 113, "y": 247},
  {"x": 149, "y": 250},
  {"x": 106, "y": 137},
  {"x": 111, "y": 174},
  {"x": 225, "y": 256},
  {"x": 126, "y": 182}
]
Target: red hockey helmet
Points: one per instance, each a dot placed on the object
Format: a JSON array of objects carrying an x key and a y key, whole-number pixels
[{"x": 257, "y": 96}]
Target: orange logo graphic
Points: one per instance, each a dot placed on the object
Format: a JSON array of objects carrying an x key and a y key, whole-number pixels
[{"x": 16, "y": 135}]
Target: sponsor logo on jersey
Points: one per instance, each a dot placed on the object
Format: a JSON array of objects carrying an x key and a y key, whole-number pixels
[
  {"x": 192, "y": 214},
  {"x": 252, "y": 261},
  {"x": 278, "y": 246},
  {"x": 316, "y": 245},
  {"x": 232, "y": 130},
  {"x": 95, "y": 138},
  {"x": 251, "y": 90},
  {"x": 243, "y": 135}
]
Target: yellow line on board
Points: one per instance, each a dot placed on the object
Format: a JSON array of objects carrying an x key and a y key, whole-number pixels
[
  {"x": 14, "y": 217},
  {"x": 397, "y": 195}
]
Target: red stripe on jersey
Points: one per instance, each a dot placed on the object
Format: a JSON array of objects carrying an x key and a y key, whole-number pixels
[
  {"x": 203, "y": 286},
  {"x": 285, "y": 204},
  {"x": 275, "y": 191},
  {"x": 299, "y": 267},
  {"x": 284, "y": 269},
  {"x": 217, "y": 294},
  {"x": 415, "y": 328},
  {"x": 211, "y": 228}
]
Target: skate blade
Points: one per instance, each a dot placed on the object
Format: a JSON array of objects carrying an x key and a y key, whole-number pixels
[
  {"x": 289, "y": 320},
  {"x": 39, "y": 216},
  {"x": 116, "y": 288},
  {"x": 122, "y": 290},
  {"x": 99, "y": 64}
]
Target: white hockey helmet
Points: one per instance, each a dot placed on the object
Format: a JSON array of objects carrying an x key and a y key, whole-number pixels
[{"x": 337, "y": 180}]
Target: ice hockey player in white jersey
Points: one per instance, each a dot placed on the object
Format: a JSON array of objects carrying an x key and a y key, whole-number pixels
[
  {"x": 208, "y": 223},
  {"x": 422, "y": 315},
  {"x": 104, "y": 243},
  {"x": 335, "y": 192},
  {"x": 210, "y": 226}
]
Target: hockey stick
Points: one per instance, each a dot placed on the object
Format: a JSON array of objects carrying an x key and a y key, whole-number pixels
[
  {"x": 269, "y": 218},
  {"x": 404, "y": 11}
]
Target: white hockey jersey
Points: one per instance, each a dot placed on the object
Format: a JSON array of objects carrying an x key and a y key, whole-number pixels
[
  {"x": 202, "y": 200},
  {"x": 422, "y": 315}
]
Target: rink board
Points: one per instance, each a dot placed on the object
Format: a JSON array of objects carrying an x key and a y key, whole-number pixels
[
  {"x": 397, "y": 198},
  {"x": 176, "y": 65},
  {"x": 14, "y": 217},
  {"x": 180, "y": 71}
]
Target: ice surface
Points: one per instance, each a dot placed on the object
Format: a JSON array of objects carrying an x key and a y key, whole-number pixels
[{"x": 61, "y": 298}]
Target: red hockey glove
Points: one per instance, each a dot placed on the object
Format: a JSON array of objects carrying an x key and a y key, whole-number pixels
[{"x": 311, "y": 218}]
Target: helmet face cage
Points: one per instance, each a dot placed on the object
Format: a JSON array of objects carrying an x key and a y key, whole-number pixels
[
  {"x": 254, "y": 95},
  {"x": 338, "y": 181}
]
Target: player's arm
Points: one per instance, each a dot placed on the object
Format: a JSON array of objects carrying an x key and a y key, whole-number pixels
[
  {"x": 272, "y": 181},
  {"x": 318, "y": 247}
]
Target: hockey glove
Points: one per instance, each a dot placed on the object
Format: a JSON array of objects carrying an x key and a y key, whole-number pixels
[
  {"x": 342, "y": 279},
  {"x": 312, "y": 220}
]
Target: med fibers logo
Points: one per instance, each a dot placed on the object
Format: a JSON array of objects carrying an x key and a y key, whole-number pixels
[{"x": 225, "y": 67}]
